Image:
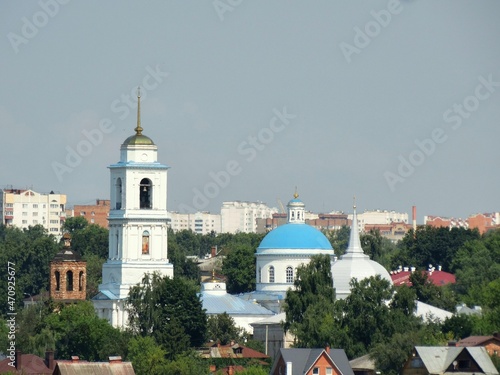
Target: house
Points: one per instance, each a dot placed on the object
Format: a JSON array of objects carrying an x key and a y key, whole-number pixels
[
  {"x": 75, "y": 366},
  {"x": 28, "y": 364},
  {"x": 491, "y": 343},
  {"x": 448, "y": 360},
  {"x": 363, "y": 365},
  {"x": 232, "y": 350},
  {"x": 326, "y": 361}
]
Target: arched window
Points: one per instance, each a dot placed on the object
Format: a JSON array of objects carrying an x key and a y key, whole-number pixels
[
  {"x": 58, "y": 280},
  {"x": 289, "y": 275},
  {"x": 80, "y": 281},
  {"x": 69, "y": 281},
  {"x": 145, "y": 242},
  {"x": 118, "y": 193},
  {"x": 145, "y": 193},
  {"x": 271, "y": 274},
  {"x": 259, "y": 275}
]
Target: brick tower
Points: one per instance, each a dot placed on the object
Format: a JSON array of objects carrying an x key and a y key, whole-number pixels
[{"x": 68, "y": 274}]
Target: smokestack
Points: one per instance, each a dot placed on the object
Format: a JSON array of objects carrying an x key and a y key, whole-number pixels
[
  {"x": 49, "y": 359},
  {"x": 18, "y": 358},
  {"x": 414, "y": 217}
]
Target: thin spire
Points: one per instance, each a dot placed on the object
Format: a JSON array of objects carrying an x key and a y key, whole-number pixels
[
  {"x": 354, "y": 242},
  {"x": 138, "y": 129},
  {"x": 296, "y": 195}
]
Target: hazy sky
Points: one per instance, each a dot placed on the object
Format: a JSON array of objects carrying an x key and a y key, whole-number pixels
[{"x": 394, "y": 102}]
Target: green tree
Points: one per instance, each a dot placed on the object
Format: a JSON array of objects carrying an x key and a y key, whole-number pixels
[
  {"x": 92, "y": 239},
  {"x": 390, "y": 356},
  {"x": 168, "y": 309},
  {"x": 313, "y": 284},
  {"x": 94, "y": 273},
  {"x": 222, "y": 328},
  {"x": 147, "y": 357},
  {"x": 339, "y": 239},
  {"x": 239, "y": 268},
  {"x": 73, "y": 224},
  {"x": 187, "y": 364},
  {"x": 460, "y": 326},
  {"x": 78, "y": 331},
  {"x": 182, "y": 266}
]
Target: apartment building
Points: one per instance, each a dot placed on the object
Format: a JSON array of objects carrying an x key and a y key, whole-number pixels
[
  {"x": 380, "y": 217},
  {"x": 94, "y": 213},
  {"x": 25, "y": 208},
  {"x": 483, "y": 221},
  {"x": 237, "y": 216},
  {"x": 199, "y": 222}
]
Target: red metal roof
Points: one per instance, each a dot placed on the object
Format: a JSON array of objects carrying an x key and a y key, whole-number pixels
[
  {"x": 30, "y": 365},
  {"x": 438, "y": 278}
]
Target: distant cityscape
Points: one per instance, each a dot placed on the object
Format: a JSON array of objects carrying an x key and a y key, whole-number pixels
[{"x": 26, "y": 207}]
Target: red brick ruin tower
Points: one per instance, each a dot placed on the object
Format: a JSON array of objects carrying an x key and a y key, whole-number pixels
[{"x": 68, "y": 274}]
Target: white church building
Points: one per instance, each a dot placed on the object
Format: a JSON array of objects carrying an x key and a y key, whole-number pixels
[{"x": 137, "y": 225}]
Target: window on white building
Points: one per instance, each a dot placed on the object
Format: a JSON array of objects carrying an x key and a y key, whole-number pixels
[
  {"x": 289, "y": 275},
  {"x": 271, "y": 274}
]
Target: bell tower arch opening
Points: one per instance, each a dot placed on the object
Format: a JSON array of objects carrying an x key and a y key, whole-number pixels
[{"x": 145, "y": 193}]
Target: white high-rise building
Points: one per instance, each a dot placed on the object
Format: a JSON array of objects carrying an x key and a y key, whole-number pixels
[
  {"x": 242, "y": 216},
  {"x": 199, "y": 222},
  {"x": 380, "y": 217},
  {"x": 25, "y": 208},
  {"x": 137, "y": 225}
]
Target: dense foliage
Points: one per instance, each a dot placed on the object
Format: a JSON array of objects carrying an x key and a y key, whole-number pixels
[
  {"x": 170, "y": 310},
  {"x": 163, "y": 338}
]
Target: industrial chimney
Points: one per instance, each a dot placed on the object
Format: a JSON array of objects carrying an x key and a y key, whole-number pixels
[{"x": 414, "y": 218}]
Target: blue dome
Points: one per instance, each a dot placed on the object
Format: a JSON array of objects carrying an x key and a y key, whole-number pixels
[{"x": 295, "y": 236}]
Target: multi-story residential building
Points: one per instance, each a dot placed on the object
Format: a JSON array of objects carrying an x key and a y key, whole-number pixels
[
  {"x": 449, "y": 222},
  {"x": 240, "y": 216},
  {"x": 482, "y": 222},
  {"x": 380, "y": 217},
  {"x": 25, "y": 208},
  {"x": 199, "y": 222},
  {"x": 94, "y": 213},
  {"x": 329, "y": 221}
]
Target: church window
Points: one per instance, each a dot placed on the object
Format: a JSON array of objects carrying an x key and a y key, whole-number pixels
[
  {"x": 145, "y": 242},
  {"x": 289, "y": 275},
  {"x": 58, "y": 280},
  {"x": 259, "y": 276},
  {"x": 271, "y": 274},
  {"x": 80, "y": 281},
  {"x": 69, "y": 281},
  {"x": 118, "y": 193},
  {"x": 145, "y": 190}
]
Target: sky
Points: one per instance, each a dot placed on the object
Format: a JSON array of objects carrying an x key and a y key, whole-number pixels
[{"x": 394, "y": 102}]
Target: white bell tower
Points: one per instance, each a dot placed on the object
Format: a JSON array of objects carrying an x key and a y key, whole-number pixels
[{"x": 137, "y": 224}]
